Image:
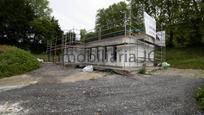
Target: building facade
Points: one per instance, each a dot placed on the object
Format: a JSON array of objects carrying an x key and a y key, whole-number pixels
[{"x": 126, "y": 52}]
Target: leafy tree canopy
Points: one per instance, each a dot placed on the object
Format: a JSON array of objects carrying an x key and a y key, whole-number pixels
[
  {"x": 183, "y": 20},
  {"x": 27, "y": 24}
]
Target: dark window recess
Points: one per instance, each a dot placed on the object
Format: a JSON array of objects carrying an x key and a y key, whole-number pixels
[
  {"x": 105, "y": 53},
  {"x": 90, "y": 53},
  {"x": 87, "y": 54},
  {"x": 115, "y": 53},
  {"x": 97, "y": 53}
]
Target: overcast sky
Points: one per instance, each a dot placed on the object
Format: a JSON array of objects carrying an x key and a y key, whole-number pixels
[{"x": 78, "y": 13}]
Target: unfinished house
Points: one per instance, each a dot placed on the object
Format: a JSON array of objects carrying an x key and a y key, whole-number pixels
[
  {"x": 117, "y": 48},
  {"x": 115, "y": 52}
]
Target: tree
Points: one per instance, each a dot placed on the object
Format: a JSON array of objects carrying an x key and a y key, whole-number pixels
[
  {"x": 111, "y": 20},
  {"x": 45, "y": 29},
  {"x": 83, "y": 33},
  {"x": 15, "y": 16},
  {"x": 112, "y": 16},
  {"x": 27, "y": 24},
  {"x": 181, "y": 19},
  {"x": 70, "y": 37},
  {"x": 40, "y": 7}
]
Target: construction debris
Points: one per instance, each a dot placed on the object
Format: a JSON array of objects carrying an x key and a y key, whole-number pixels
[
  {"x": 40, "y": 60},
  {"x": 88, "y": 68}
]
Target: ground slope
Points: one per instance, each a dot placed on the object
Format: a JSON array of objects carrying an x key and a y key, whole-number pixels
[
  {"x": 15, "y": 61},
  {"x": 186, "y": 58}
]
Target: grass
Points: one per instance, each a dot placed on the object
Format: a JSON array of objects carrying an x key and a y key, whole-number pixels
[
  {"x": 186, "y": 58},
  {"x": 14, "y": 61}
]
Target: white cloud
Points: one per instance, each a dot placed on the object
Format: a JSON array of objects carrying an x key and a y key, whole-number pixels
[{"x": 78, "y": 13}]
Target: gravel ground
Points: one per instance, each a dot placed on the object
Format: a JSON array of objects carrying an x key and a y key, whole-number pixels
[{"x": 107, "y": 94}]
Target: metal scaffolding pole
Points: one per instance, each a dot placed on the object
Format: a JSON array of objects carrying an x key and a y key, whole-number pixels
[
  {"x": 62, "y": 50},
  {"x": 125, "y": 23}
]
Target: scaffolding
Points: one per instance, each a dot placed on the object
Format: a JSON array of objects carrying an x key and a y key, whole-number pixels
[
  {"x": 74, "y": 39},
  {"x": 57, "y": 48}
]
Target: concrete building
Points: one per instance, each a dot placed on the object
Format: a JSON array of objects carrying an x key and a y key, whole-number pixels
[{"x": 119, "y": 52}]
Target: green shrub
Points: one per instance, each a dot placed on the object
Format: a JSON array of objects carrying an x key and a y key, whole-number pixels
[
  {"x": 15, "y": 61},
  {"x": 200, "y": 97},
  {"x": 142, "y": 71}
]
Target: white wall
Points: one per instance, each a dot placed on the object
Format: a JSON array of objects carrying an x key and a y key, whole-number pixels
[{"x": 125, "y": 53}]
